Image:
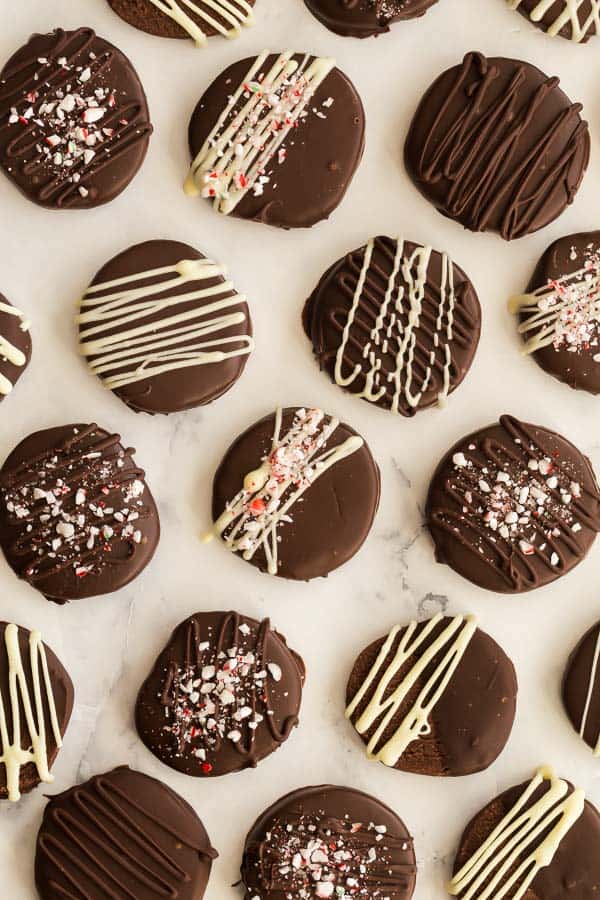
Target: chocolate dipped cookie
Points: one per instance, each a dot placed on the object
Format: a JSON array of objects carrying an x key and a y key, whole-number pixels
[
  {"x": 575, "y": 20},
  {"x": 195, "y": 19},
  {"x": 364, "y": 18},
  {"x": 581, "y": 688},
  {"x": 15, "y": 346}
]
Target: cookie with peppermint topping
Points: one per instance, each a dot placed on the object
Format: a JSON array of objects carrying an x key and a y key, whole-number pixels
[{"x": 365, "y": 18}]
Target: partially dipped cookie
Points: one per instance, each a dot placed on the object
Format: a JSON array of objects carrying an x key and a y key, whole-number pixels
[
  {"x": 296, "y": 494},
  {"x": 575, "y": 20},
  {"x": 513, "y": 507},
  {"x": 329, "y": 842},
  {"x": 581, "y": 688},
  {"x": 395, "y": 323},
  {"x": 122, "y": 834},
  {"x": 76, "y": 516},
  {"x": 364, "y": 18},
  {"x": 164, "y": 328},
  {"x": 195, "y": 19},
  {"x": 75, "y": 122},
  {"x": 436, "y": 697},
  {"x": 223, "y": 694},
  {"x": 15, "y": 346},
  {"x": 36, "y": 701},
  {"x": 277, "y": 138}
]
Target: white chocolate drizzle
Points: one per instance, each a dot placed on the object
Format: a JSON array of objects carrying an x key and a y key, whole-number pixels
[
  {"x": 251, "y": 520},
  {"x": 233, "y": 159},
  {"x": 524, "y": 842},
  {"x": 8, "y": 351},
  {"x": 570, "y": 15},
  {"x": 389, "y": 331},
  {"x": 590, "y": 693},
  {"x": 235, "y": 13},
  {"x": 177, "y": 340},
  {"x": 13, "y": 757},
  {"x": 451, "y": 644}
]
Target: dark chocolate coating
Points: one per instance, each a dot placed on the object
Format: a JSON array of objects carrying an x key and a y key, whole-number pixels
[
  {"x": 555, "y": 11},
  {"x": 573, "y": 874},
  {"x": 90, "y": 475},
  {"x": 365, "y": 18},
  {"x": 497, "y": 146},
  {"x": 322, "y": 153},
  {"x": 460, "y": 497},
  {"x": 122, "y": 834},
  {"x": 11, "y": 330},
  {"x": 581, "y": 687},
  {"x": 570, "y": 362},
  {"x": 335, "y": 514},
  {"x": 325, "y": 815},
  {"x": 471, "y": 722},
  {"x": 121, "y": 135},
  {"x": 269, "y": 703},
  {"x": 184, "y": 388},
  {"x": 63, "y": 693},
  {"x": 326, "y": 314},
  {"x": 143, "y": 14}
]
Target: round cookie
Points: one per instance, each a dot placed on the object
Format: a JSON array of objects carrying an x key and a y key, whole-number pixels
[
  {"x": 497, "y": 146},
  {"x": 581, "y": 688},
  {"x": 318, "y": 837},
  {"x": 122, "y": 834},
  {"x": 559, "y": 313},
  {"x": 550, "y": 855},
  {"x": 224, "y": 693},
  {"x": 15, "y": 346},
  {"x": 36, "y": 702},
  {"x": 575, "y": 20},
  {"x": 75, "y": 121},
  {"x": 195, "y": 19},
  {"x": 296, "y": 494},
  {"x": 163, "y": 328},
  {"x": 512, "y": 507},
  {"x": 435, "y": 698},
  {"x": 395, "y": 323},
  {"x": 364, "y": 18},
  {"x": 76, "y": 516},
  {"x": 277, "y": 139}
]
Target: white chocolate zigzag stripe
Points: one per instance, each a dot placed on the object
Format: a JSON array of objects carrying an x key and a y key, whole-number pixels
[
  {"x": 149, "y": 348},
  {"x": 235, "y": 154},
  {"x": 451, "y": 643},
  {"x": 590, "y": 693},
  {"x": 569, "y": 15},
  {"x": 235, "y": 12},
  {"x": 13, "y": 757},
  {"x": 507, "y": 857},
  {"x": 8, "y": 351}
]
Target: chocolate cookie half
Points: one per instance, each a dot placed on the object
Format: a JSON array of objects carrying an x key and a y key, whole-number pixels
[
  {"x": 76, "y": 516},
  {"x": 538, "y": 840},
  {"x": 277, "y": 138},
  {"x": 559, "y": 314},
  {"x": 15, "y": 346},
  {"x": 364, "y": 18},
  {"x": 195, "y": 19},
  {"x": 330, "y": 842},
  {"x": 122, "y": 834},
  {"x": 496, "y": 145},
  {"x": 513, "y": 507},
  {"x": 163, "y": 327},
  {"x": 395, "y": 323},
  {"x": 74, "y": 120},
  {"x": 435, "y": 697},
  {"x": 224, "y": 693},
  {"x": 36, "y": 702},
  {"x": 581, "y": 688},
  {"x": 575, "y": 20},
  {"x": 296, "y": 494}
]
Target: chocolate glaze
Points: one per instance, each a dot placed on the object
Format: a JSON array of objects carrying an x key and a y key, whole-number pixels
[
  {"x": 326, "y": 313},
  {"x": 183, "y": 388},
  {"x": 95, "y": 473},
  {"x": 497, "y": 146},
  {"x": 460, "y": 496},
  {"x": 122, "y": 834},
  {"x": 473, "y": 718},
  {"x": 268, "y": 695},
  {"x": 12, "y": 331},
  {"x": 63, "y": 693},
  {"x": 581, "y": 688},
  {"x": 147, "y": 17},
  {"x": 26, "y": 83},
  {"x": 322, "y": 155},
  {"x": 327, "y": 814},
  {"x": 584, "y": 14},
  {"x": 364, "y": 18}
]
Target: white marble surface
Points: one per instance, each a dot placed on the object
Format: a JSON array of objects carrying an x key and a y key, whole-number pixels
[{"x": 109, "y": 643}]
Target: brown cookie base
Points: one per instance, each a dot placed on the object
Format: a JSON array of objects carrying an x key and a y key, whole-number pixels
[{"x": 145, "y": 16}]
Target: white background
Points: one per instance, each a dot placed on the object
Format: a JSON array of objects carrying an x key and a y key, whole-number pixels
[{"x": 108, "y": 644}]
